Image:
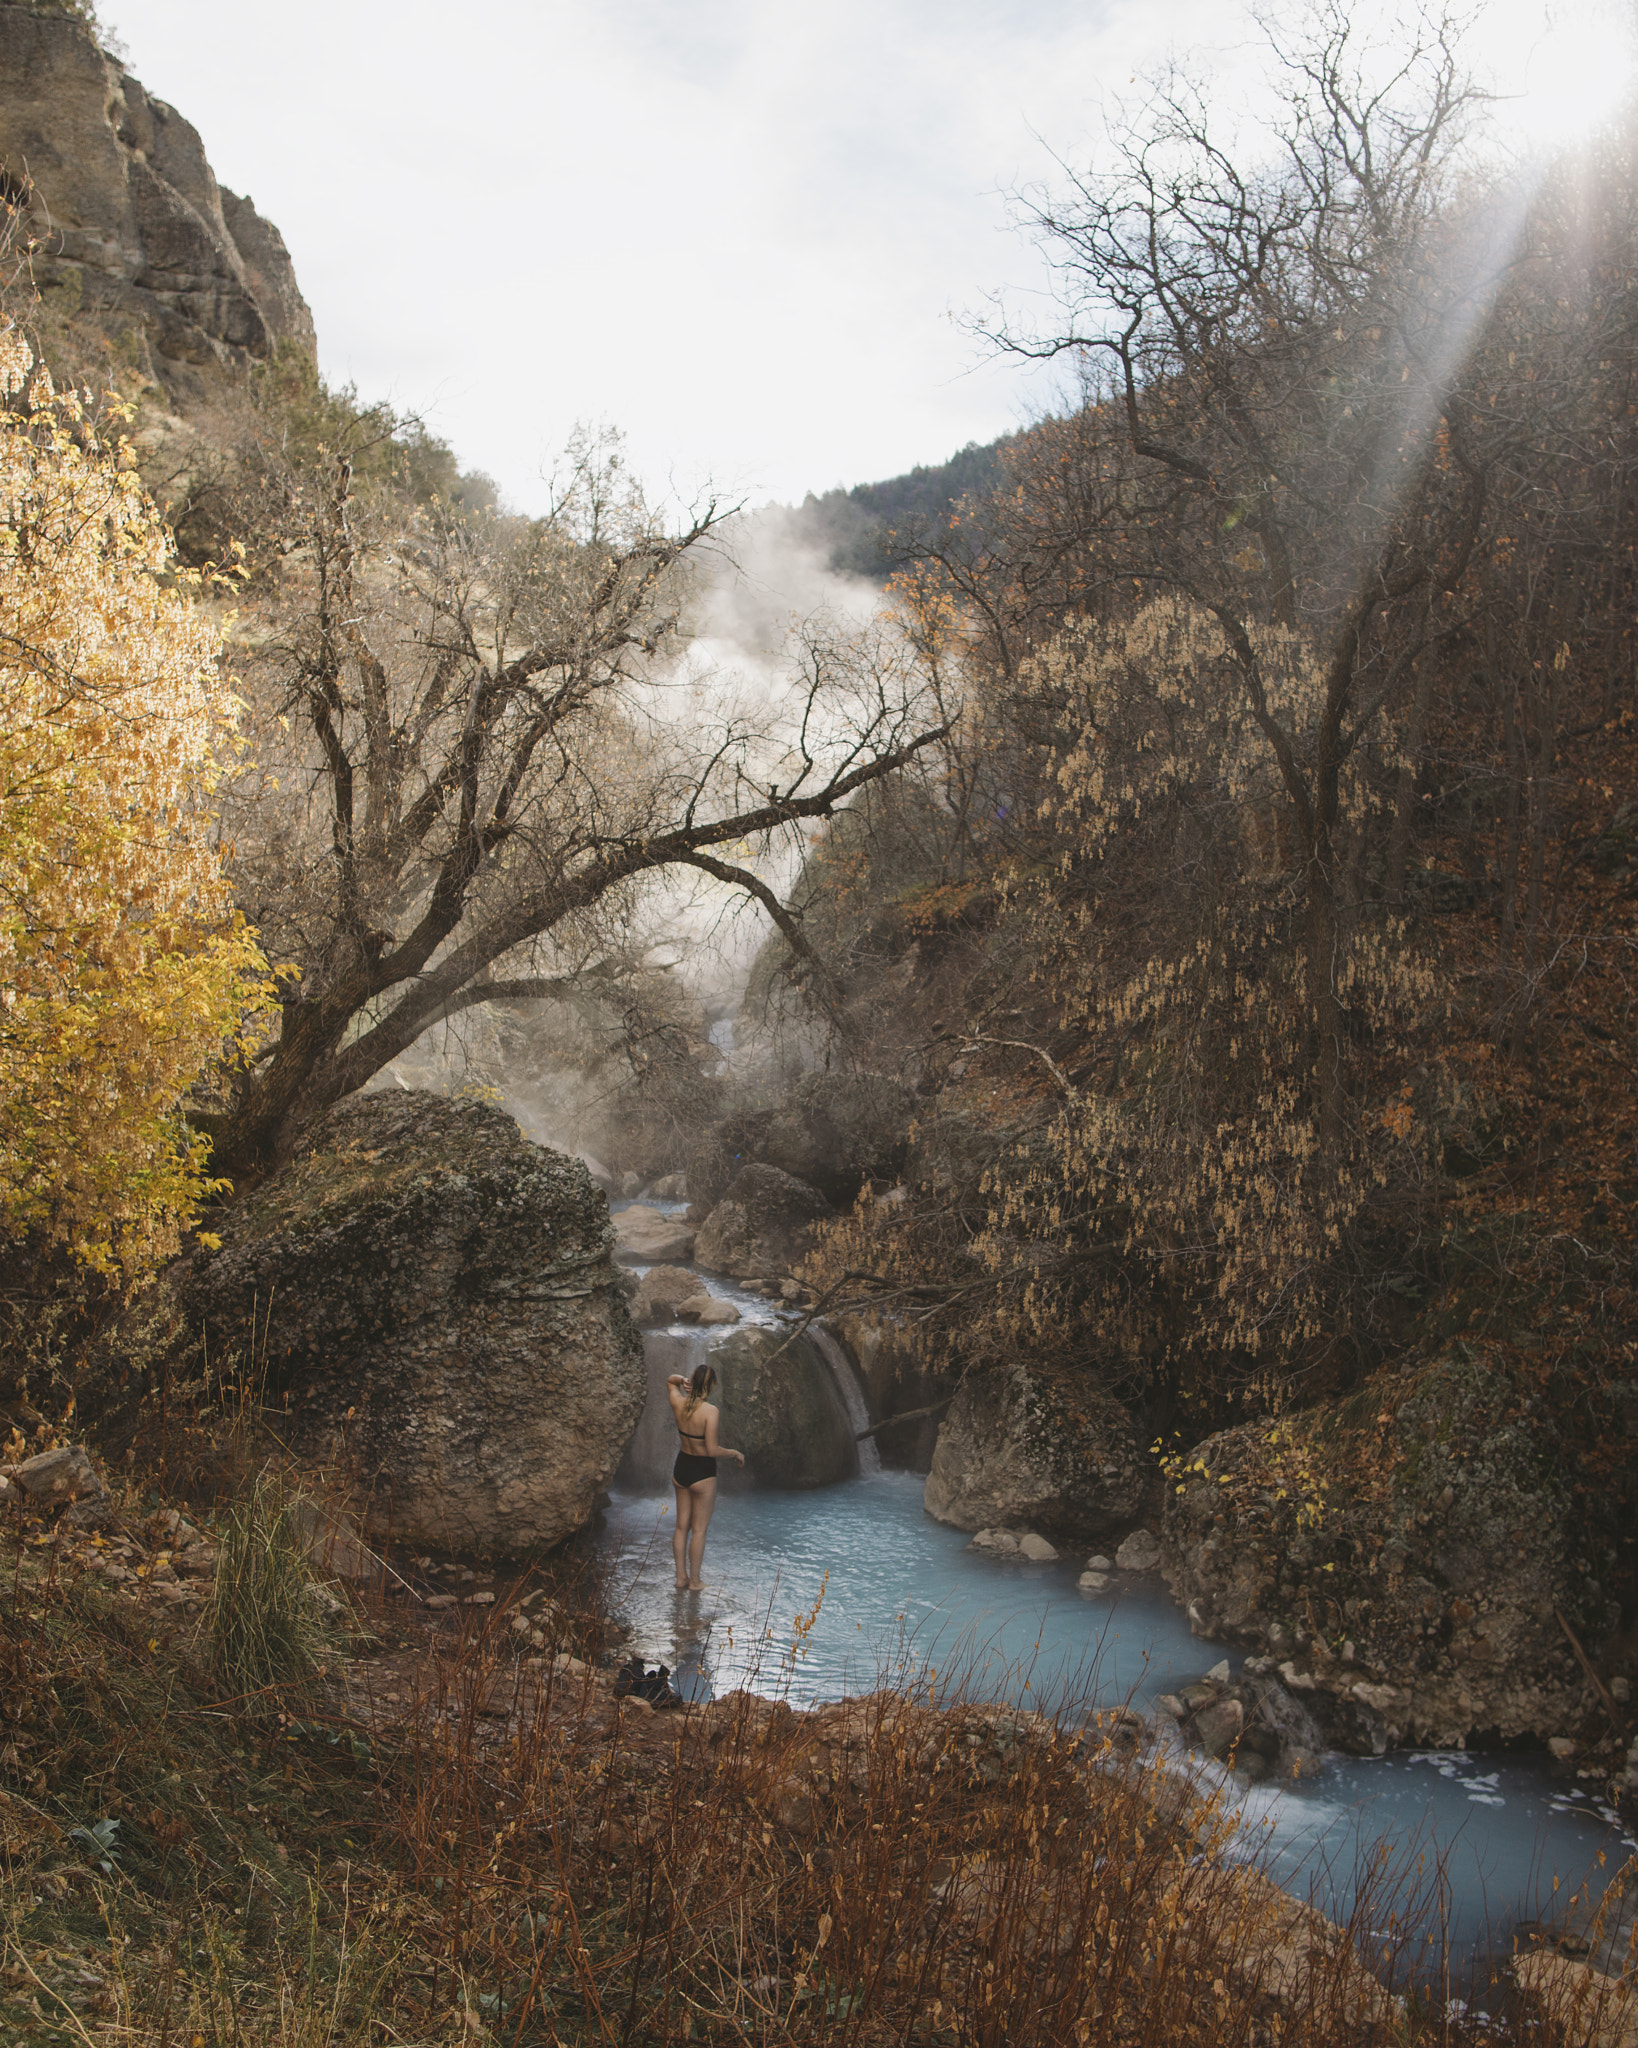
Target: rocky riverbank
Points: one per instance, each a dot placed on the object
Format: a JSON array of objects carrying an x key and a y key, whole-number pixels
[{"x": 1416, "y": 1557}]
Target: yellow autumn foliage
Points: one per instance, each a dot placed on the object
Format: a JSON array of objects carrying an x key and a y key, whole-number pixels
[{"x": 124, "y": 970}]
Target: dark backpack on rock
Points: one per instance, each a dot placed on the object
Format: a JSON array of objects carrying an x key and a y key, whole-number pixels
[{"x": 633, "y": 1682}]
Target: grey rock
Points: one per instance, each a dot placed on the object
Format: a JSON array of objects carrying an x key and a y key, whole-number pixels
[
  {"x": 897, "y": 1379},
  {"x": 670, "y": 1187},
  {"x": 1037, "y": 1549},
  {"x": 134, "y": 237},
  {"x": 707, "y": 1310},
  {"x": 1217, "y": 1726},
  {"x": 1139, "y": 1553},
  {"x": 59, "y": 1476},
  {"x": 1022, "y": 1445},
  {"x": 1093, "y": 1582},
  {"x": 779, "y": 1405},
  {"x": 645, "y": 1233},
  {"x": 761, "y": 1228},
  {"x": 436, "y": 1298},
  {"x": 332, "y": 1541},
  {"x": 834, "y": 1131},
  {"x": 661, "y": 1291},
  {"x": 1097, "y": 1562},
  {"x": 1003, "y": 1542}
]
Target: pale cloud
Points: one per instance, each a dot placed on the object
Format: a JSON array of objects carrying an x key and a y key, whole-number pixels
[{"x": 743, "y": 233}]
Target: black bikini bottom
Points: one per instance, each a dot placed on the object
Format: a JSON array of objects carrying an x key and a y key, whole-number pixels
[{"x": 689, "y": 1470}]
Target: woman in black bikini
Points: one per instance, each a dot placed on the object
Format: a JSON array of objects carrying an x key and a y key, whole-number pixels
[{"x": 694, "y": 1476}]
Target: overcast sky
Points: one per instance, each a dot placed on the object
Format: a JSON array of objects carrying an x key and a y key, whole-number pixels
[{"x": 743, "y": 232}]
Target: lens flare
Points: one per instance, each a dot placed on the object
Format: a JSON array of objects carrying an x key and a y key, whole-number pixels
[{"x": 1560, "y": 69}]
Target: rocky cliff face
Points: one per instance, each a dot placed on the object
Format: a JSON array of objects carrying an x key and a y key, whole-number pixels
[
  {"x": 437, "y": 1301},
  {"x": 135, "y": 238}
]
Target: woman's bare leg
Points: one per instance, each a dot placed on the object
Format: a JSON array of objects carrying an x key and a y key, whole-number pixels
[
  {"x": 679, "y": 1534},
  {"x": 705, "y": 1499}
]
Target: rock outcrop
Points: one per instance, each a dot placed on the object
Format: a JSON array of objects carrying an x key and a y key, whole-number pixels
[
  {"x": 761, "y": 1228},
  {"x": 1252, "y": 1724},
  {"x": 1020, "y": 1449},
  {"x": 134, "y": 236},
  {"x": 1410, "y": 1557},
  {"x": 779, "y": 1405},
  {"x": 437, "y": 1301}
]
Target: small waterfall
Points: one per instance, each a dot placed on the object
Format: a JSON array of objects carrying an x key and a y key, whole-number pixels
[{"x": 846, "y": 1381}]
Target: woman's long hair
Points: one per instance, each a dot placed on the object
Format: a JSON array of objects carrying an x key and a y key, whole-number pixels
[{"x": 704, "y": 1379}]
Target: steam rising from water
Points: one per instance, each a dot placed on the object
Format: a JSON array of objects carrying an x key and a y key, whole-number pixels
[{"x": 757, "y": 589}]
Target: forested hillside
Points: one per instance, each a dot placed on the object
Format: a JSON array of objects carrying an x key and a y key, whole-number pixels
[
  {"x": 865, "y": 530},
  {"x": 1262, "y": 937},
  {"x": 1183, "y": 1100}
]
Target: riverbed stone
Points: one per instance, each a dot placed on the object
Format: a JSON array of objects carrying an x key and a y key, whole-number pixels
[
  {"x": 1026, "y": 1447},
  {"x": 645, "y": 1233},
  {"x": 1217, "y": 1726},
  {"x": 779, "y": 1405},
  {"x": 661, "y": 1291},
  {"x": 436, "y": 1299},
  {"x": 706, "y": 1309},
  {"x": 1447, "y": 1577},
  {"x": 1037, "y": 1549},
  {"x": 1139, "y": 1553}
]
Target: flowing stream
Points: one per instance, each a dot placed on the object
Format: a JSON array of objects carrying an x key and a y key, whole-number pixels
[{"x": 836, "y": 1591}]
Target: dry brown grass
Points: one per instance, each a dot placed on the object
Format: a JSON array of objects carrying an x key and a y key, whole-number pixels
[{"x": 503, "y": 1853}]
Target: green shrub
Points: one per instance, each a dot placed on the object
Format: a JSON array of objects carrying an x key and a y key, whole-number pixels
[{"x": 264, "y": 1626}]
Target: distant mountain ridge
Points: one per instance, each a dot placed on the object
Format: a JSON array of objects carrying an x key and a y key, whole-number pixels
[{"x": 863, "y": 529}]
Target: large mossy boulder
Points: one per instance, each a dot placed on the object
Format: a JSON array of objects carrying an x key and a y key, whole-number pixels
[
  {"x": 1028, "y": 1448},
  {"x": 436, "y": 1300},
  {"x": 1413, "y": 1551},
  {"x": 779, "y": 1405}
]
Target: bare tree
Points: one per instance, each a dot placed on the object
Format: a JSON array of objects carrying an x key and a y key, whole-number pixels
[
  {"x": 1284, "y": 327},
  {"x": 475, "y": 745}
]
